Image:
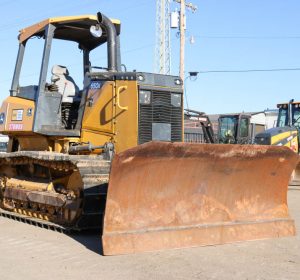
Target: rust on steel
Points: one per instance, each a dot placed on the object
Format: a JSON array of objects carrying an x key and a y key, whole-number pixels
[
  {"x": 295, "y": 178},
  {"x": 174, "y": 195}
]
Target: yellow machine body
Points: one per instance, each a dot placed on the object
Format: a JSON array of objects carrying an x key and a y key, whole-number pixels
[
  {"x": 19, "y": 115},
  {"x": 119, "y": 139},
  {"x": 288, "y": 139},
  {"x": 286, "y": 133},
  {"x": 113, "y": 115}
]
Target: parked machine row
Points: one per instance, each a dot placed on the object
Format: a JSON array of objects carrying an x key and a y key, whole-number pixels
[{"x": 241, "y": 129}]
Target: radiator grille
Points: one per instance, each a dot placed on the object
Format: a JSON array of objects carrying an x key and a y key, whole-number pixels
[{"x": 160, "y": 110}]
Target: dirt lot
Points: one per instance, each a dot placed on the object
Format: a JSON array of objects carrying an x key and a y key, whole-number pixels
[{"x": 27, "y": 252}]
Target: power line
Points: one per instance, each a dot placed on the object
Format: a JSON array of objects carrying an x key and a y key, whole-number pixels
[
  {"x": 250, "y": 70},
  {"x": 200, "y": 72},
  {"x": 139, "y": 48},
  {"x": 59, "y": 9},
  {"x": 41, "y": 16},
  {"x": 277, "y": 37},
  {"x": 94, "y": 60},
  {"x": 5, "y": 3}
]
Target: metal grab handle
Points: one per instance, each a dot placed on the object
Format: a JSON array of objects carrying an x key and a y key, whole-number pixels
[{"x": 118, "y": 98}]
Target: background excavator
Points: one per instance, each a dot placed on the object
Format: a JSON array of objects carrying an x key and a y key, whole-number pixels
[
  {"x": 232, "y": 128},
  {"x": 111, "y": 151},
  {"x": 235, "y": 129},
  {"x": 286, "y": 132}
]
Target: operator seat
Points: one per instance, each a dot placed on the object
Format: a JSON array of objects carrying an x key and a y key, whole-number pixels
[{"x": 65, "y": 83}]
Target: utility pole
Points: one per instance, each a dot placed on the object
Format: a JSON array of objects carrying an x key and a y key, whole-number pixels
[
  {"x": 182, "y": 28},
  {"x": 182, "y": 39}
]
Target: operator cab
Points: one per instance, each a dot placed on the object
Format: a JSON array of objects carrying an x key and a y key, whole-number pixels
[
  {"x": 57, "y": 96},
  {"x": 234, "y": 129},
  {"x": 289, "y": 114}
]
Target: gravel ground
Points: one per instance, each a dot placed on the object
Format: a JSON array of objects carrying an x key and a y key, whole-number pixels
[{"x": 27, "y": 252}]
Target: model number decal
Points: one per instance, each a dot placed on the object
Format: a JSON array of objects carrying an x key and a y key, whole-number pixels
[
  {"x": 95, "y": 85},
  {"x": 15, "y": 126}
]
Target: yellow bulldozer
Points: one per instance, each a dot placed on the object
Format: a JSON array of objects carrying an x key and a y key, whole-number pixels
[{"x": 110, "y": 151}]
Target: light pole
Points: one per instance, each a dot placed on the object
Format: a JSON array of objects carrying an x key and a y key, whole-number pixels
[{"x": 193, "y": 75}]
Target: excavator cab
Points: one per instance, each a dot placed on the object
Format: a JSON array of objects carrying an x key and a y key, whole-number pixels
[{"x": 234, "y": 129}]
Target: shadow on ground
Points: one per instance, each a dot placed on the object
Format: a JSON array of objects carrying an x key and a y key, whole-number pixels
[{"x": 91, "y": 239}]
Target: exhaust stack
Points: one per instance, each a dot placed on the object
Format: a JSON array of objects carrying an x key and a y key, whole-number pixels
[{"x": 112, "y": 52}]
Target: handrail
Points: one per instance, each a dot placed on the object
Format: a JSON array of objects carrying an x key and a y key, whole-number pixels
[{"x": 118, "y": 98}]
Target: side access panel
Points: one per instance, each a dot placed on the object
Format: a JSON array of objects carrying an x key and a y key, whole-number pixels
[{"x": 175, "y": 195}]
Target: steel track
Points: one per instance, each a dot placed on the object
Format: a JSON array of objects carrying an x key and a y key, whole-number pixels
[{"x": 94, "y": 171}]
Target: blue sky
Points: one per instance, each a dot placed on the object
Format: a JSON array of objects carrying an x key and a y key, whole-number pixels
[{"x": 229, "y": 35}]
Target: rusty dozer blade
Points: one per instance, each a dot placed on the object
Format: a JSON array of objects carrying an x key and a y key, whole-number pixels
[
  {"x": 295, "y": 178},
  {"x": 175, "y": 195}
]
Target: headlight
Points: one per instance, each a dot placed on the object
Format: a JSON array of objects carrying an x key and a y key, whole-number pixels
[
  {"x": 140, "y": 78},
  {"x": 178, "y": 82},
  {"x": 2, "y": 118},
  {"x": 145, "y": 97}
]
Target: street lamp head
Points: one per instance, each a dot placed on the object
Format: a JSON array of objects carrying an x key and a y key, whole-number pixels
[{"x": 193, "y": 74}]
